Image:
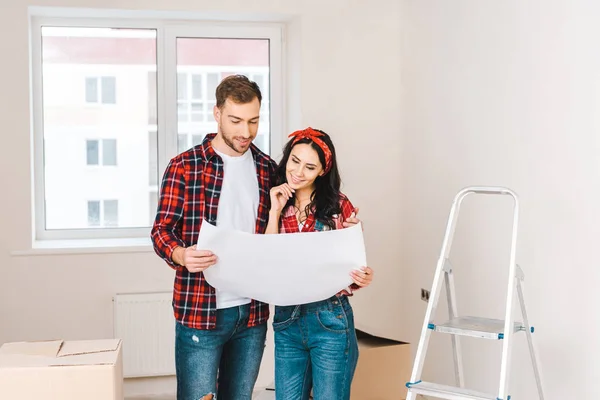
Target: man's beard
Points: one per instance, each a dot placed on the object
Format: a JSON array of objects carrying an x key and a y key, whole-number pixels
[{"x": 229, "y": 142}]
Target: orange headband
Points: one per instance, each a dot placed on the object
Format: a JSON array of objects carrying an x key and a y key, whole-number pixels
[{"x": 310, "y": 133}]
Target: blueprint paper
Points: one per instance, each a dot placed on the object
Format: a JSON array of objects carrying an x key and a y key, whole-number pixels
[{"x": 283, "y": 269}]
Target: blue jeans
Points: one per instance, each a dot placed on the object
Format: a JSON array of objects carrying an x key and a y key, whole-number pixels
[
  {"x": 229, "y": 355},
  {"x": 315, "y": 347}
]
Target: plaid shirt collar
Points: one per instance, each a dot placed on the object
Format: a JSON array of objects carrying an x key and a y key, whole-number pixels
[
  {"x": 289, "y": 211},
  {"x": 206, "y": 150}
]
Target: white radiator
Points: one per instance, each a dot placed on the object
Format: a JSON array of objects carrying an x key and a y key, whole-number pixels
[{"x": 146, "y": 324}]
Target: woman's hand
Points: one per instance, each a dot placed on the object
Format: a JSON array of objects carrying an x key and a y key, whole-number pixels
[
  {"x": 352, "y": 219},
  {"x": 362, "y": 277},
  {"x": 280, "y": 196}
]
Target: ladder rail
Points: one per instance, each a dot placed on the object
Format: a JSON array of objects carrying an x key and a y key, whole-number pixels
[
  {"x": 434, "y": 296},
  {"x": 458, "y": 199},
  {"x": 453, "y": 312},
  {"x": 510, "y": 297},
  {"x": 528, "y": 333}
]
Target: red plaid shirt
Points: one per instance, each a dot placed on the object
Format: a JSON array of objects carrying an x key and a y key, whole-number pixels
[
  {"x": 288, "y": 223},
  {"x": 190, "y": 192}
]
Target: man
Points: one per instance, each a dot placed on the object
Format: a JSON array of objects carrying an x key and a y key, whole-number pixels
[{"x": 219, "y": 336}]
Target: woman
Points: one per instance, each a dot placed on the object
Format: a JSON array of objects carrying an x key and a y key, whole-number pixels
[{"x": 315, "y": 344}]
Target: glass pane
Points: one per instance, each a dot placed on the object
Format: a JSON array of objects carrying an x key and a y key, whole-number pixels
[
  {"x": 152, "y": 206},
  {"x": 182, "y": 114},
  {"x": 264, "y": 112},
  {"x": 196, "y": 86},
  {"x": 109, "y": 85},
  {"x": 210, "y": 110},
  {"x": 92, "y": 152},
  {"x": 197, "y": 112},
  {"x": 109, "y": 152},
  {"x": 260, "y": 81},
  {"x": 197, "y": 139},
  {"x": 152, "y": 98},
  {"x": 260, "y": 142},
  {"x": 181, "y": 86},
  {"x": 182, "y": 143},
  {"x": 153, "y": 156},
  {"x": 91, "y": 90},
  {"x": 111, "y": 213},
  {"x": 212, "y": 59},
  {"x": 93, "y": 213},
  {"x": 212, "y": 81},
  {"x": 85, "y": 63}
]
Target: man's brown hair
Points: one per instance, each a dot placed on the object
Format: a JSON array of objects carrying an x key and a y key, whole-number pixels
[{"x": 239, "y": 89}]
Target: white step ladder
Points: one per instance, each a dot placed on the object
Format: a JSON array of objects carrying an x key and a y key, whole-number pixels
[{"x": 472, "y": 326}]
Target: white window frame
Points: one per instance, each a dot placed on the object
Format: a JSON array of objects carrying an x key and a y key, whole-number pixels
[{"x": 167, "y": 30}]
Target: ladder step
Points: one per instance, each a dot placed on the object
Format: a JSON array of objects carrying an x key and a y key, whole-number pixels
[
  {"x": 476, "y": 327},
  {"x": 448, "y": 392}
]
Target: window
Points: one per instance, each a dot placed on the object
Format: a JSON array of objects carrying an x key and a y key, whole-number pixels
[
  {"x": 101, "y": 90},
  {"x": 164, "y": 107},
  {"x": 153, "y": 156},
  {"x": 186, "y": 141},
  {"x": 101, "y": 152},
  {"x": 153, "y": 198},
  {"x": 103, "y": 213},
  {"x": 190, "y": 101}
]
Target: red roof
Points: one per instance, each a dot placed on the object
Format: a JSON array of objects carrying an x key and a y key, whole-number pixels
[{"x": 190, "y": 51}]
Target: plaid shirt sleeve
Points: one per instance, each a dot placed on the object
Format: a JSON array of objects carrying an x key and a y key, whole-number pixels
[
  {"x": 273, "y": 173},
  {"x": 346, "y": 211},
  {"x": 166, "y": 231}
]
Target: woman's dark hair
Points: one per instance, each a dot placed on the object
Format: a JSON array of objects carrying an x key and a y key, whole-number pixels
[{"x": 325, "y": 199}]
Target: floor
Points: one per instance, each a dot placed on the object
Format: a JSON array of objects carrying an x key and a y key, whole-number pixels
[{"x": 259, "y": 395}]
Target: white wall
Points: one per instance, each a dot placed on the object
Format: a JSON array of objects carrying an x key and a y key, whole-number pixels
[
  {"x": 344, "y": 79},
  {"x": 506, "y": 93}
]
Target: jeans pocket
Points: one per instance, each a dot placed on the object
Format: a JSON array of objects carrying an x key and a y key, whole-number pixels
[
  {"x": 333, "y": 321},
  {"x": 283, "y": 318}
]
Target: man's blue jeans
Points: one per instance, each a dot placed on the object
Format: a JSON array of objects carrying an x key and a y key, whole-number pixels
[
  {"x": 315, "y": 347},
  {"x": 231, "y": 354}
]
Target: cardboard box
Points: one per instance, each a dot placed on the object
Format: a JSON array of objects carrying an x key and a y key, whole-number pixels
[
  {"x": 384, "y": 367},
  {"x": 61, "y": 370}
]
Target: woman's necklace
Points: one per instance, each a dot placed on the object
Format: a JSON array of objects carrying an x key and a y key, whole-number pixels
[{"x": 301, "y": 212}]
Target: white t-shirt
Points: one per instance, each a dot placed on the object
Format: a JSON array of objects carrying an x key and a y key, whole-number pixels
[{"x": 238, "y": 207}]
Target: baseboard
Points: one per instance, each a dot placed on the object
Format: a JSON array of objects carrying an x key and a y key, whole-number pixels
[{"x": 136, "y": 387}]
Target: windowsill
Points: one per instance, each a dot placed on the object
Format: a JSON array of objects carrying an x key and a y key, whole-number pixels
[{"x": 86, "y": 246}]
